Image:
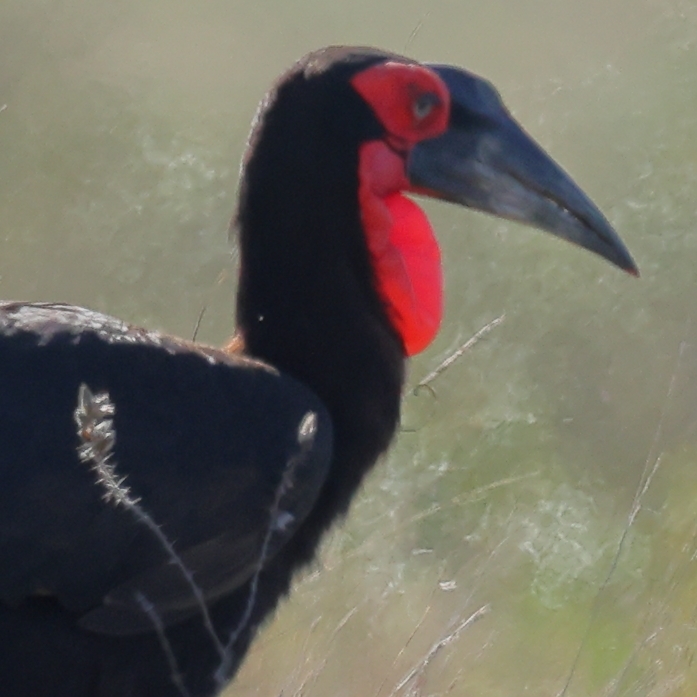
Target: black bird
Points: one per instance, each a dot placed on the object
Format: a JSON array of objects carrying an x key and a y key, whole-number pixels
[{"x": 243, "y": 456}]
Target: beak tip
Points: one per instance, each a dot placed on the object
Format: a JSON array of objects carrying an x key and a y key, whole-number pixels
[{"x": 628, "y": 264}]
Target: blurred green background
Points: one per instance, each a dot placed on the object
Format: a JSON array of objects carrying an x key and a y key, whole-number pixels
[{"x": 551, "y": 478}]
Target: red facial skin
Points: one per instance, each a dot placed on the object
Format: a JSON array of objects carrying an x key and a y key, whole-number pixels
[{"x": 413, "y": 104}]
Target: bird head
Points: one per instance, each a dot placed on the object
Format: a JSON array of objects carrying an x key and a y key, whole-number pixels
[{"x": 425, "y": 129}]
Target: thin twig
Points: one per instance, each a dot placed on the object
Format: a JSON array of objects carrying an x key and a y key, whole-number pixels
[
  {"x": 472, "y": 341},
  {"x": 415, "y": 31},
  {"x": 149, "y": 609},
  {"x": 221, "y": 277},
  {"x": 651, "y": 466},
  {"x": 476, "y": 494},
  {"x": 414, "y": 631},
  {"x": 306, "y": 435},
  {"x": 680, "y": 572},
  {"x": 419, "y": 669},
  {"x": 317, "y": 670},
  {"x": 304, "y": 657},
  {"x": 198, "y": 323},
  {"x": 94, "y": 418}
]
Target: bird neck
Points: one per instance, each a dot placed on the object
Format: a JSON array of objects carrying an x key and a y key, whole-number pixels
[{"x": 307, "y": 297}]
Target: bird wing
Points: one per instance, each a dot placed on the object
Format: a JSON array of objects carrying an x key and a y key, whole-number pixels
[{"x": 134, "y": 465}]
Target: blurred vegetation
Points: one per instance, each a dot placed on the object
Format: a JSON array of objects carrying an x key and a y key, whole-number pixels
[{"x": 550, "y": 478}]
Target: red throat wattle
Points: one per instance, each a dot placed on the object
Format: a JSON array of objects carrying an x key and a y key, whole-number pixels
[
  {"x": 403, "y": 248},
  {"x": 412, "y": 103}
]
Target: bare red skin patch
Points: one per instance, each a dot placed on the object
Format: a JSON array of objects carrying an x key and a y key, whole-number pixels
[
  {"x": 413, "y": 104},
  {"x": 403, "y": 248},
  {"x": 395, "y": 92}
]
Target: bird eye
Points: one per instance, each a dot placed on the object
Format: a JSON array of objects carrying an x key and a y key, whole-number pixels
[{"x": 423, "y": 105}]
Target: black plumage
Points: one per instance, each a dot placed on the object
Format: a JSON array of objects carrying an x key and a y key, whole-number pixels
[{"x": 243, "y": 457}]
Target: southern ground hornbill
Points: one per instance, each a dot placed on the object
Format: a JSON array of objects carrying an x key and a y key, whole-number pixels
[{"x": 243, "y": 456}]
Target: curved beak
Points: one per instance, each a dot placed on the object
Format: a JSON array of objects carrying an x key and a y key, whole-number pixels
[{"x": 486, "y": 161}]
